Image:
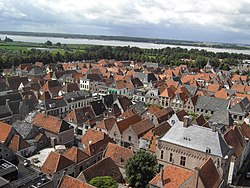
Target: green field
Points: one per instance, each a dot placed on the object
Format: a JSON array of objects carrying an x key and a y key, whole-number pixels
[{"x": 24, "y": 46}]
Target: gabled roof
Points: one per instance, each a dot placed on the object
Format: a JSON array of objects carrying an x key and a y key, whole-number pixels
[
  {"x": 51, "y": 123},
  {"x": 75, "y": 154},
  {"x": 200, "y": 120},
  {"x": 163, "y": 114},
  {"x": 211, "y": 103},
  {"x": 142, "y": 127},
  {"x": 106, "y": 124},
  {"x": 213, "y": 87},
  {"x": 124, "y": 102},
  {"x": 180, "y": 114},
  {"x": 245, "y": 129},
  {"x": 98, "y": 107},
  {"x": 222, "y": 117},
  {"x": 124, "y": 124},
  {"x": 118, "y": 154},
  {"x": 153, "y": 108},
  {"x": 209, "y": 175},
  {"x": 70, "y": 182},
  {"x": 70, "y": 87},
  {"x": 55, "y": 162},
  {"x": 168, "y": 92},
  {"x": 80, "y": 115},
  {"x": 172, "y": 176},
  {"x": 17, "y": 143},
  {"x": 234, "y": 138},
  {"x": 5, "y": 131},
  {"x": 105, "y": 167}
]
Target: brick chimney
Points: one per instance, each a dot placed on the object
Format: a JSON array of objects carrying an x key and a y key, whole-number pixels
[
  {"x": 160, "y": 182},
  {"x": 187, "y": 121}
]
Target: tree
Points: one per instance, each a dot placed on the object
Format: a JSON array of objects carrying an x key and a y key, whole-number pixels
[
  {"x": 201, "y": 61},
  {"x": 58, "y": 44},
  {"x": 141, "y": 168},
  {"x": 103, "y": 182},
  {"x": 48, "y": 43}
]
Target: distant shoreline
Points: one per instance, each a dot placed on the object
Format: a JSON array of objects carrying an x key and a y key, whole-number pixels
[{"x": 131, "y": 39}]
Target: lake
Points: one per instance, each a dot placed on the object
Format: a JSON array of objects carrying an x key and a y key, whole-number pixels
[{"x": 114, "y": 43}]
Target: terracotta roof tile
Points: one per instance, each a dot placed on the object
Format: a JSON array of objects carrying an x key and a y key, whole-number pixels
[
  {"x": 106, "y": 124},
  {"x": 55, "y": 162},
  {"x": 173, "y": 176},
  {"x": 105, "y": 167},
  {"x": 213, "y": 87},
  {"x": 142, "y": 127},
  {"x": 118, "y": 154},
  {"x": 221, "y": 94},
  {"x": 17, "y": 143},
  {"x": 124, "y": 124},
  {"x": 209, "y": 174},
  {"x": 51, "y": 123},
  {"x": 153, "y": 108},
  {"x": 245, "y": 129},
  {"x": 75, "y": 154},
  {"x": 5, "y": 131}
]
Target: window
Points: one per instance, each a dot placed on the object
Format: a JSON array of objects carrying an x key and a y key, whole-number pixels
[
  {"x": 162, "y": 153},
  {"x": 172, "y": 122},
  {"x": 129, "y": 138},
  {"x": 183, "y": 161},
  {"x": 114, "y": 133},
  {"x": 171, "y": 157}
]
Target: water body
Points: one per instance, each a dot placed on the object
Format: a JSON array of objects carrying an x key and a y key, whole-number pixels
[{"x": 114, "y": 43}]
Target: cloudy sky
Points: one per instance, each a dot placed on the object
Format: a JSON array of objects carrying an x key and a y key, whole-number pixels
[{"x": 201, "y": 20}]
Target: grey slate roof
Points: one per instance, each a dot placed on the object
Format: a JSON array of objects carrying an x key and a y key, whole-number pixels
[
  {"x": 4, "y": 111},
  {"x": 191, "y": 89},
  {"x": 211, "y": 103},
  {"x": 11, "y": 96},
  {"x": 22, "y": 128},
  {"x": 53, "y": 103},
  {"x": 222, "y": 117},
  {"x": 197, "y": 138},
  {"x": 77, "y": 95},
  {"x": 242, "y": 107}
]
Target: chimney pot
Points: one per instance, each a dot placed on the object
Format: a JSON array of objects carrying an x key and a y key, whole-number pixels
[{"x": 186, "y": 121}]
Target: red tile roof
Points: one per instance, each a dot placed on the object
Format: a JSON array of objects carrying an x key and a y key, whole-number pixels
[
  {"x": 105, "y": 167},
  {"x": 17, "y": 143},
  {"x": 55, "y": 162},
  {"x": 5, "y": 131},
  {"x": 173, "y": 176},
  {"x": 118, "y": 154},
  {"x": 209, "y": 174},
  {"x": 124, "y": 124},
  {"x": 245, "y": 129},
  {"x": 75, "y": 154},
  {"x": 142, "y": 127},
  {"x": 51, "y": 123},
  {"x": 106, "y": 124}
]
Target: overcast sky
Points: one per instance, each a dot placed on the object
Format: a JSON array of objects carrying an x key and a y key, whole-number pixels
[{"x": 202, "y": 20}]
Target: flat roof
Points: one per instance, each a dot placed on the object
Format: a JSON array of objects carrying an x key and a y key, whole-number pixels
[{"x": 38, "y": 159}]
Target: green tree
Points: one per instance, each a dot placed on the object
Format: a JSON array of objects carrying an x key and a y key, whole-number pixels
[
  {"x": 201, "y": 61},
  {"x": 58, "y": 44},
  {"x": 141, "y": 168},
  {"x": 103, "y": 182},
  {"x": 48, "y": 43}
]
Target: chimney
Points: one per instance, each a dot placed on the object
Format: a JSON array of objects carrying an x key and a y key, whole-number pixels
[
  {"x": 160, "y": 182},
  {"x": 186, "y": 121},
  {"x": 7, "y": 101}
]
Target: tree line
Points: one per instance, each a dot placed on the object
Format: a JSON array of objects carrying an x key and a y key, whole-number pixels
[{"x": 166, "y": 56}]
